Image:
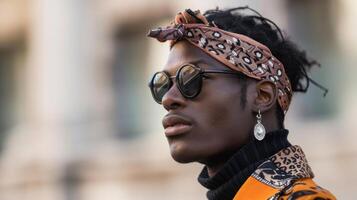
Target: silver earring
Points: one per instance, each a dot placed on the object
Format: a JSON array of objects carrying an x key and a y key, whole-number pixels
[{"x": 259, "y": 129}]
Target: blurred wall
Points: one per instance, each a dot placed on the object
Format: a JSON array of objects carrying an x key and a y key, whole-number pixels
[{"x": 78, "y": 122}]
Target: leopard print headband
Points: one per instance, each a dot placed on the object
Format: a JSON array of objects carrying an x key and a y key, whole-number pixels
[{"x": 238, "y": 52}]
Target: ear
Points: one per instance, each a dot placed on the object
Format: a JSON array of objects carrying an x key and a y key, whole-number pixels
[{"x": 267, "y": 95}]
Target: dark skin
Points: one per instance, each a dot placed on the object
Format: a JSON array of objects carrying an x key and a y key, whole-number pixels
[{"x": 220, "y": 125}]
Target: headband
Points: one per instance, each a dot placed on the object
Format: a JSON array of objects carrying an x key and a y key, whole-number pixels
[{"x": 238, "y": 52}]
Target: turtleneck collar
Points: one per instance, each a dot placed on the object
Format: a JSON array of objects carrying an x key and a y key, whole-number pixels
[{"x": 228, "y": 180}]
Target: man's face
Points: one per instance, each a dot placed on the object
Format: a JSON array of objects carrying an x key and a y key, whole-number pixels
[{"x": 217, "y": 123}]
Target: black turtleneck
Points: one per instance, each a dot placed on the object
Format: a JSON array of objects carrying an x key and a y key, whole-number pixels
[{"x": 226, "y": 183}]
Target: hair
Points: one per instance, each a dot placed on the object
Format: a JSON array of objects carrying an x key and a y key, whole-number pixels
[{"x": 265, "y": 31}]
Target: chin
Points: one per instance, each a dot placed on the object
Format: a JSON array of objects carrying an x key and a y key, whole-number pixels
[{"x": 181, "y": 154}]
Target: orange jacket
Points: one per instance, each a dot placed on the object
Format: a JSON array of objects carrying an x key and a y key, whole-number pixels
[{"x": 285, "y": 175}]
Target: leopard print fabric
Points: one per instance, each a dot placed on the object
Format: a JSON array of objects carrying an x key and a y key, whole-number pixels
[{"x": 292, "y": 160}]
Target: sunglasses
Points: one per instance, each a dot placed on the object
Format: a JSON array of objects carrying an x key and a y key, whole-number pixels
[{"x": 188, "y": 80}]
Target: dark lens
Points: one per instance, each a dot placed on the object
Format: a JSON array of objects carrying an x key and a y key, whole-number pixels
[
  {"x": 160, "y": 84},
  {"x": 189, "y": 81}
]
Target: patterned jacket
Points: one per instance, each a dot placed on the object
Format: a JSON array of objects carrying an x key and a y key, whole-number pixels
[{"x": 284, "y": 176}]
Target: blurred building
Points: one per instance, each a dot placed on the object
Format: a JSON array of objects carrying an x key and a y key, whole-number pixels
[{"x": 77, "y": 120}]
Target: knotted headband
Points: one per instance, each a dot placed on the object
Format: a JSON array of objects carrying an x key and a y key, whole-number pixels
[{"x": 238, "y": 52}]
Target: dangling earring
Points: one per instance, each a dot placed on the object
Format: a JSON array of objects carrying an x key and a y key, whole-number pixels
[{"x": 259, "y": 129}]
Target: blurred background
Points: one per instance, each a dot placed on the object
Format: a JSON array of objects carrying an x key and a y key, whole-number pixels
[{"x": 77, "y": 121}]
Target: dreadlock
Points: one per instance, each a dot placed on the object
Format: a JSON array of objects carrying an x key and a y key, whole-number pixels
[{"x": 265, "y": 31}]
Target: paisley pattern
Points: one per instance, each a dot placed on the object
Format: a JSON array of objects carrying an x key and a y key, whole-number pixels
[
  {"x": 271, "y": 175},
  {"x": 236, "y": 51}
]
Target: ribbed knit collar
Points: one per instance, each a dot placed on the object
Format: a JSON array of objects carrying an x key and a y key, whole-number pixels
[{"x": 225, "y": 184}]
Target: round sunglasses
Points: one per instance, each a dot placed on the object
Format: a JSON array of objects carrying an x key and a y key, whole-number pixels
[{"x": 188, "y": 80}]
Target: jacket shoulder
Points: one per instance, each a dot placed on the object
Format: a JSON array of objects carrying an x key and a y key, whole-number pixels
[{"x": 284, "y": 176}]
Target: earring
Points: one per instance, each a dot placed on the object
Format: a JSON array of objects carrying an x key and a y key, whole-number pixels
[{"x": 259, "y": 129}]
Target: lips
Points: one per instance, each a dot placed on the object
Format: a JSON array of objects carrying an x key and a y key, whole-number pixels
[{"x": 176, "y": 125}]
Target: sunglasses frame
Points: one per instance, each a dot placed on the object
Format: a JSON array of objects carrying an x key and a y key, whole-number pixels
[{"x": 200, "y": 75}]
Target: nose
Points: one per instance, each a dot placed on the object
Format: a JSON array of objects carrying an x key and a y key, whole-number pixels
[{"x": 173, "y": 99}]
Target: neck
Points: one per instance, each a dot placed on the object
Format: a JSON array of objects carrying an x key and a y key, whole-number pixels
[
  {"x": 213, "y": 168},
  {"x": 215, "y": 164}
]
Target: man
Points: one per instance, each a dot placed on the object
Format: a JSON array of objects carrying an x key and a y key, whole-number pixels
[{"x": 227, "y": 84}]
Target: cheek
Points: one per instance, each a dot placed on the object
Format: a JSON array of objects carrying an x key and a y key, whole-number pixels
[
  {"x": 223, "y": 120},
  {"x": 219, "y": 115}
]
